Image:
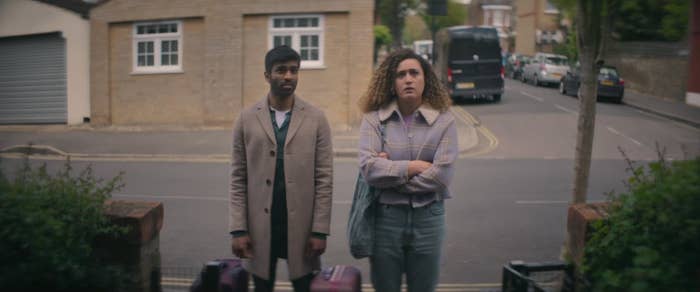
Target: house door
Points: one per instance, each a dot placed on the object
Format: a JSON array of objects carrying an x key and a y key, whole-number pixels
[{"x": 33, "y": 79}]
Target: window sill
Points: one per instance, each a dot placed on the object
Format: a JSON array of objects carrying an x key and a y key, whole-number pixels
[
  {"x": 176, "y": 71},
  {"x": 313, "y": 67}
]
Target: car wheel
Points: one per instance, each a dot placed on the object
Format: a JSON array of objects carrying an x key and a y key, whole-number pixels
[
  {"x": 496, "y": 98},
  {"x": 536, "y": 81},
  {"x": 562, "y": 89}
]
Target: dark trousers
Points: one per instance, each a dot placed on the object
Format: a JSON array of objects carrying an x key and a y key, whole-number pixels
[{"x": 302, "y": 284}]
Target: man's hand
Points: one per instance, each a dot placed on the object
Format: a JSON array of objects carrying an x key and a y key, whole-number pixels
[
  {"x": 242, "y": 247},
  {"x": 315, "y": 247},
  {"x": 383, "y": 155},
  {"x": 416, "y": 167}
]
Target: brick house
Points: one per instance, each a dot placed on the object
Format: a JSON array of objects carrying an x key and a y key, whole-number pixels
[
  {"x": 199, "y": 63},
  {"x": 539, "y": 26}
]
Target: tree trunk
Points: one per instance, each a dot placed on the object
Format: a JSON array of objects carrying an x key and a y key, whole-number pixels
[
  {"x": 589, "y": 18},
  {"x": 396, "y": 24}
]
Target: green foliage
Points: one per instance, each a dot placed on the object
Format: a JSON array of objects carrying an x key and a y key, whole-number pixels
[
  {"x": 392, "y": 14},
  {"x": 569, "y": 48},
  {"x": 456, "y": 15},
  {"x": 382, "y": 36},
  {"x": 652, "y": 20},
  {"x": 651, "y": 241},
  {"x": 49, "y": 224}
]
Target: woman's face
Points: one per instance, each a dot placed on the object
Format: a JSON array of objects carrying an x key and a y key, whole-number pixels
[{"x": 410, "y": 81}]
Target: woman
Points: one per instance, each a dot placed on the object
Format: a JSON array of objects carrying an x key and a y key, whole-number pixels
[{"x": 408, "y": 142}]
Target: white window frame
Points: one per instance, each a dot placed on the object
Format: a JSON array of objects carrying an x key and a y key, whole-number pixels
[
  {"x": 296, "y": 33},
  {"x": 157, "y": 40}
]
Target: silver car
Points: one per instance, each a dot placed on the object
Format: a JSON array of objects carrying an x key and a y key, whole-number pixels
[{"x": 546, "y": 69}]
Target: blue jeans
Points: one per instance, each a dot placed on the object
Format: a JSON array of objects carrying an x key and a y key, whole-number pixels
[{"x": 407, "y": 240}]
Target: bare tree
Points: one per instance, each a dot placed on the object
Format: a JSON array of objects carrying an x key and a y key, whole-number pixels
[{"x": 591, "y": 18}]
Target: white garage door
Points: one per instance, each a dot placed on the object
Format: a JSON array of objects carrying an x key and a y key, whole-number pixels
[{"x": 33, "y": 79}]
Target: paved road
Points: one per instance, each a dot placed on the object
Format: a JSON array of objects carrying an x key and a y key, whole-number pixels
[{"x": 510, "y": 192}]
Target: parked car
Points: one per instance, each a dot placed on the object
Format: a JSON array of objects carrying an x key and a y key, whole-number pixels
[
  {"x": 521, "y": 61},
  {"x": 468, "y": 61},
  {"x": 610, "y": 84},
  {"x": 546, "y": 69}
]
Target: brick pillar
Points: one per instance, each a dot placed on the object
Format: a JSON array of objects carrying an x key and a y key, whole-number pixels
[
  {"x": 138, "y": 251},
  {"x": 579, "y": 227}
]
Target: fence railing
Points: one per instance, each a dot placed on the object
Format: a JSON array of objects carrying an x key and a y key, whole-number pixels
[{"x": 519, "y": 276}]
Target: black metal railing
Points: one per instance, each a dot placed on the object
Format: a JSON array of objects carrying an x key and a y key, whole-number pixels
[{"x": 519, "y": 276}]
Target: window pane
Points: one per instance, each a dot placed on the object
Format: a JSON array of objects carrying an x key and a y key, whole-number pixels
[
  {"x": 277, "y": 22},
  {"x": 314, "y": 54},
  {"x": 149, "y": 60},
  {"x": 173, "y": 46},
  {"x": 314, "y": 22},
  {"x": 149, "y": 47},
  {"x": 151, "y": 29},
  {"x": 303, "y": 22},
  {"x": 304, "y": 54},
  {"x": 163, "y": 28},
  {"x": 277, "y": 41},
  {"x": 304, "y": 41},
  {"x": 289, "y": 22},
  {"x": 173, "y": 59},
  {"x": 314, "y": 41},
  {"x": 165, "y": 59},
  {"x": 288, "y": 40},
  {"x": 173, "y": 27},
  {"x": 140, "y": 29},
  {"x": 141, "y": 61},
  {"x": 165, "y": 46},
  {"x": 141, "y": 47}
]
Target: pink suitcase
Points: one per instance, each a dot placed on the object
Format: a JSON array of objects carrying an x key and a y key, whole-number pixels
[
  {"x": 224, "y": 275},
  {"x": 339, "y": 278}
]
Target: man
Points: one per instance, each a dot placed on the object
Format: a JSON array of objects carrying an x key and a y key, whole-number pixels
[{"x": 281, "y": 179}]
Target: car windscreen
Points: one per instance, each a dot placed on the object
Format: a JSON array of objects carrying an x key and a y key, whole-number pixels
[
  {"x": 466, "y": 48},
  {"x": 556, "y": 61},
  {"x": 608, "y": 72}
]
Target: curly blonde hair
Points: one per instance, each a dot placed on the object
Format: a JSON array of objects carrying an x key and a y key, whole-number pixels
[{"x": 381, "y": 93}]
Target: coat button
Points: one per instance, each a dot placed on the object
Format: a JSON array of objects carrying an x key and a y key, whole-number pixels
[
  {"x": 268, "y": 182},
  {"x": 272, "y": 153},
  {"x": 267, "y": 211}
]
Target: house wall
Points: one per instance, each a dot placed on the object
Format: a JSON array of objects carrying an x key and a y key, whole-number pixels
[
  {"x": 326, "y": 88},
  {"x": 224, "y": 47},
  {"x": 23, "y": 17},
  {"x": 173, "y": 98}
]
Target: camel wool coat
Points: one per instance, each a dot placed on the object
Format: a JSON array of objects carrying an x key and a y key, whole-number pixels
[{"x": 308, "y": 169}]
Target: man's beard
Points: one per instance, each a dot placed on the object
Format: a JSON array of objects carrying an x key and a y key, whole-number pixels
[{"x": 281, "y": 92}]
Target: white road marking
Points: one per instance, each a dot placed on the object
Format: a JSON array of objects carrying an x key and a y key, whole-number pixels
[
  {"x": 532, "y": 96},
  {"x": 566, "y": 109},
  {"x": 616, "y": 132},
  {"x": 549, "y": 202},
  {"x": 203, "y": 198}
]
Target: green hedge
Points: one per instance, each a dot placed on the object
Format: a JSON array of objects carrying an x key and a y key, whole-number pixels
[
  {"x": 49, "y": 224},
  {"x": 651, "y": 241}
]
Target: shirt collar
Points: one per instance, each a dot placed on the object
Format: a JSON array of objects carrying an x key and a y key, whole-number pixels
[{"x": 429, "y": 113}]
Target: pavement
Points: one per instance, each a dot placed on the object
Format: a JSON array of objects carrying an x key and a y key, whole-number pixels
[
  {"x": 163, "y": 143},
  {"x": 211, "y": 144}
]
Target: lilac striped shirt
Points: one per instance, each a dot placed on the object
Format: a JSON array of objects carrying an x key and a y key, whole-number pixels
[{"x": 431, "y": 136}]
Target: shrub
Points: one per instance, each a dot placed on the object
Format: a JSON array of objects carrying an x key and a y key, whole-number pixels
[
  {"x": 49, "y": 224},
  {"x": 651, "y": 240}
]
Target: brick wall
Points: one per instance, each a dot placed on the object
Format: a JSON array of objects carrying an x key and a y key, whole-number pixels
[
  {"x": 654, "y": 68},
  {"x": 224, "y": 44}
]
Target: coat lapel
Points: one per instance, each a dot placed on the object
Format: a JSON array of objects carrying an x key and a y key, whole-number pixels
[
  {"x": 297, "y": 119},
  {"x": 263, "y": 114}
]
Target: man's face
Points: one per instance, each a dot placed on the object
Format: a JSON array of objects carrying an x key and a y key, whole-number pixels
[{"x": 283, "y": 78}]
